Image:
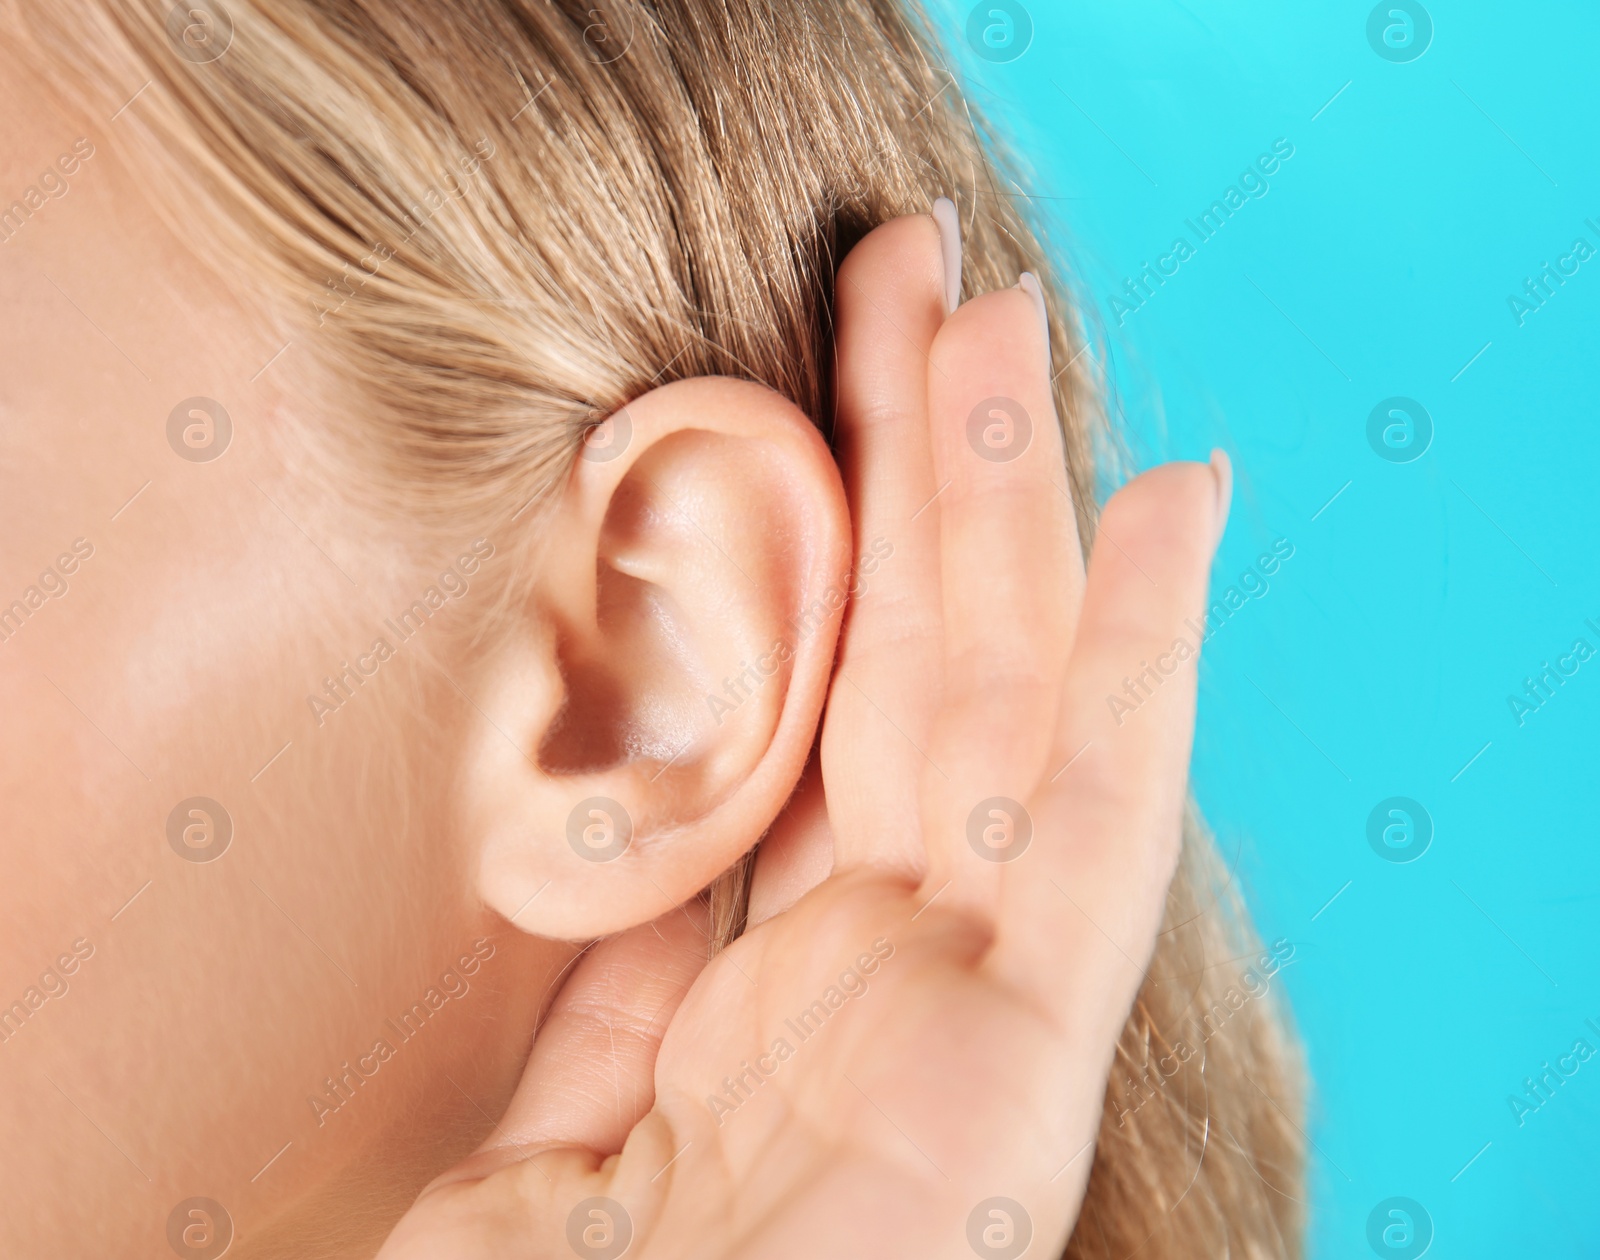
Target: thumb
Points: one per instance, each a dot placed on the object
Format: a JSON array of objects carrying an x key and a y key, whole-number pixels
[
  {"x": 587, "y": 1084},
  {"x": 591, "y": 1076}
]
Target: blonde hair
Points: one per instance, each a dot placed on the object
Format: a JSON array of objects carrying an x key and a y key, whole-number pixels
[{"x": 498, "y": 221}]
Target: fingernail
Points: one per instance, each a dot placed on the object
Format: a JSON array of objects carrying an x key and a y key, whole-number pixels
[
  {"x": 1029, "y": 284},
  {"x": 1222, "y": 469},
  {"x": 949, "y": 221}
]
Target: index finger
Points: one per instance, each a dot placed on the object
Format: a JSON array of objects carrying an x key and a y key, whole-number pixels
[{"x": 892, "y": 296}]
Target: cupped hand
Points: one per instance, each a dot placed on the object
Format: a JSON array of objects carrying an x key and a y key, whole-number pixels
[{"x": 909, "y": 1057}]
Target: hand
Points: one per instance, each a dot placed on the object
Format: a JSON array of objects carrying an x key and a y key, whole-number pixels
[{"x": 910, "y": 1059}]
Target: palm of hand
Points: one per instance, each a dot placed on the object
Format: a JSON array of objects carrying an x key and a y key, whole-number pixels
[{"x": 909, "y": 1059}]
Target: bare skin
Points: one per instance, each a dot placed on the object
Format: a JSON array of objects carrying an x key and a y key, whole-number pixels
[
  {"x": 190, "y": 1049},
  {"x": 219, "y": 996},
  {"x": 972, "y": 1063}
]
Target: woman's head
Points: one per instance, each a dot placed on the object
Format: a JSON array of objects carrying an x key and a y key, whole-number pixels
[{"x": 415, "y": 417}]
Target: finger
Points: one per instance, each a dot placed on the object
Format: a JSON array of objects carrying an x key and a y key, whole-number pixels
[
  {"x": 1107, "y": 827},
  {"x": 1011, "y": 579},
  {"x": 891, "y": 302},
  {"x": 591, "y": 1076},
  {"x": 796, "y": 854}
]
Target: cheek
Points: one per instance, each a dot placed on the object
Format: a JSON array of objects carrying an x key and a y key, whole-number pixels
[
  {"x": 44, "y": 769},
  {"x": 178, "y": 667},
  {"x": 220, "y": 994}
]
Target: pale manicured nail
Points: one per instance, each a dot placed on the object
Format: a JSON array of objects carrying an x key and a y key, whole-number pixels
[
  {"x": 1222, "y": 469},
  {"x": 949, "y": 221},
  {"x": 1029, "y": 284}
]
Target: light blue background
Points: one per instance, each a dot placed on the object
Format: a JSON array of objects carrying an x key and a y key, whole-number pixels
[{"x": 1417, "y": 601}]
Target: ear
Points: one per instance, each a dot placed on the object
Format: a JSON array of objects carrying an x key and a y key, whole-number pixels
[{"x": 654, "y": 704}]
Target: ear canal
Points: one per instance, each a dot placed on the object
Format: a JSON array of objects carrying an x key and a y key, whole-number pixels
[
  {"x": 692, "y": 595},
  {"x": 630, "y": 692}
]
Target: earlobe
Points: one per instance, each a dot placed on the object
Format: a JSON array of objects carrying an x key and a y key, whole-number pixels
[{"x": 656, "y": 709}]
